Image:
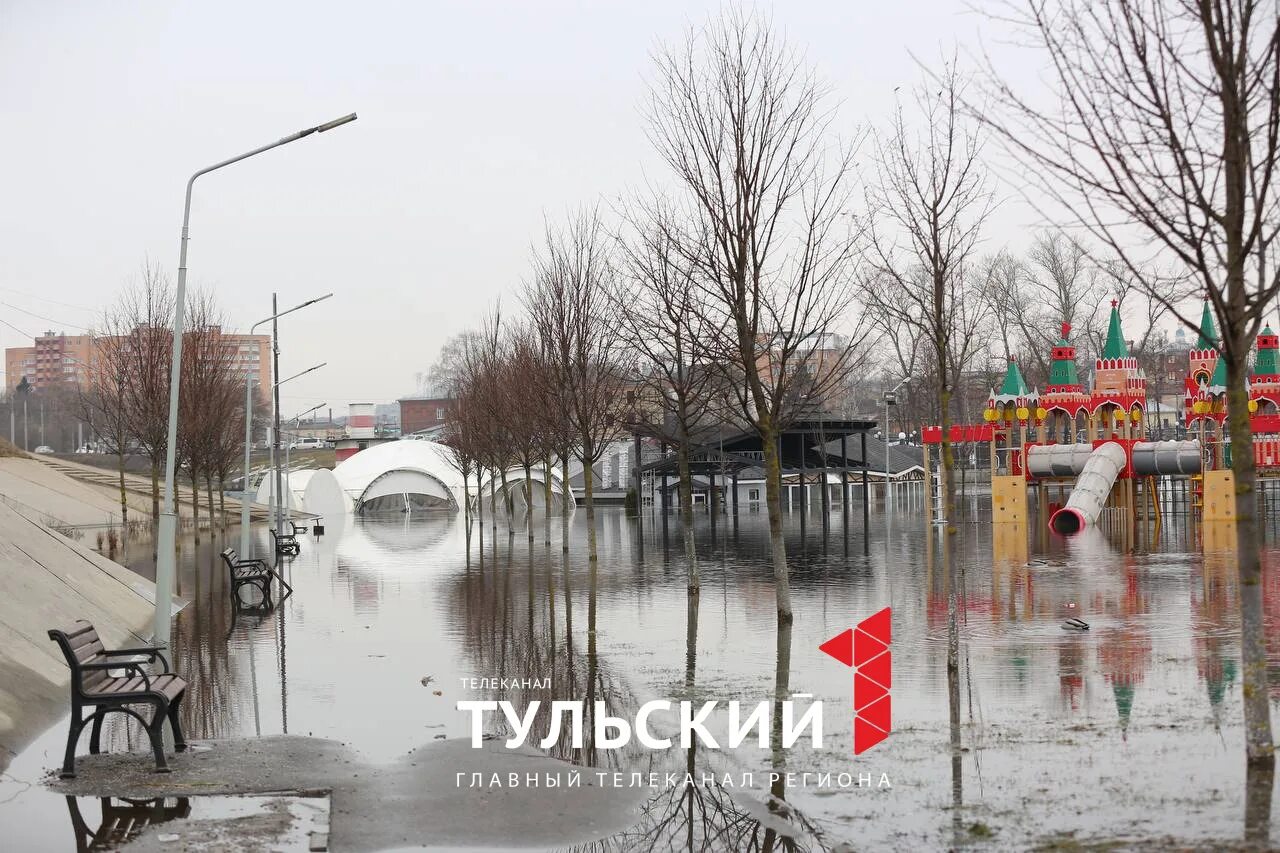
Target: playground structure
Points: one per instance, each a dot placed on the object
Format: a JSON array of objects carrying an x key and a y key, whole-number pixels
[{"x": 1095, "y": 444}]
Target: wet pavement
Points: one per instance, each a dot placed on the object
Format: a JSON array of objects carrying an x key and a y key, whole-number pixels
[{"x": 1125, "y": 735}]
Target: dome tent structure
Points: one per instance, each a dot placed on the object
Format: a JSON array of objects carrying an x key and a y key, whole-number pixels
[
  {"x": 323, "y": 496},
  {"x": 401, "y": 476},
  {"x": 516, "y": 486},
  {"x": 295, "y": 486}
]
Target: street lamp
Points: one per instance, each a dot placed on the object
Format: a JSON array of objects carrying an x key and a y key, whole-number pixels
[
  {"x": 287, "y": 447},
  {"x": 245, "y": 541},
  {"x": 277, "y": 488},
  {"x": 890, "y": 399},
  {"x": 167, "y": 534}
]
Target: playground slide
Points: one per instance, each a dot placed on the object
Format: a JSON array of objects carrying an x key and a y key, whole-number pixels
[
  {"x": 1092, "y": 487},
  {"x": 1150, "y": 458}
]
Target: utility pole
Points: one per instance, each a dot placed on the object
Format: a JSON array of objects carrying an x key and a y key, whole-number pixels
[{"x": 275, "y": 433}]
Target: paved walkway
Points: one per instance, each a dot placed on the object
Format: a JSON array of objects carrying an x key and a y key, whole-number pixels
[
  {"x": 138, "y": 487},
  {"x": 412, "y": 802},
  {"x": 50, "y": 580}
]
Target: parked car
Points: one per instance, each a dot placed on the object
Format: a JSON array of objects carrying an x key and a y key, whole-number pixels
[
  {"x": 44, "y": 449},
  {"x": 307, "y": 444}
]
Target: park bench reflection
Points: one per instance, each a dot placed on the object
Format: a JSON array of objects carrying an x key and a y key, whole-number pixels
[{"x": 123, "y": 820}]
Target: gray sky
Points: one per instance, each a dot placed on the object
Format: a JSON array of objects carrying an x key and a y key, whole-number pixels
[{"x": 476, "y": 120}]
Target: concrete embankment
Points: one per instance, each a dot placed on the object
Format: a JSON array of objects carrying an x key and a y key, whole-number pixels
[
  {"x": 50, "y": 581},
  {"x": 68, "y": 494}
]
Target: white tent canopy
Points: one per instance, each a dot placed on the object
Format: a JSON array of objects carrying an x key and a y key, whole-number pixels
[
  {"x": 295, "y": 486},
  {"x": 402, "y": 475},
  {"x": 516, "y": 485}
]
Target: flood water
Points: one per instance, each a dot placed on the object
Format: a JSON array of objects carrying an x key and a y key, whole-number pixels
[{"x": 1125, "y": 732}]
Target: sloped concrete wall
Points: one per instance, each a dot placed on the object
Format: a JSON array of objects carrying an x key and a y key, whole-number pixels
[{"x": 48, "y": 581}]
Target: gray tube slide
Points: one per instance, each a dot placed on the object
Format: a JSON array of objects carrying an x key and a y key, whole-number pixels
[
  {"x": 1150, "y": 458},
  {"x": 1091, "y": 490},
  {"x": 1057, "y": 460}
]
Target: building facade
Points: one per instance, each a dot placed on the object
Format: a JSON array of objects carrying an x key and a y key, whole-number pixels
[
  {"x": 419, "y": 413},
  {"x": 52, "y": 359},
  {"x": 55, "y": 359}
]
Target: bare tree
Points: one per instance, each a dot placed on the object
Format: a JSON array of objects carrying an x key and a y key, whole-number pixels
[
  {"x": 932, "y": 199},
  {"x": 1163, "y": 140},
  {"x": 144, "y": 317},
  {"x": 568, "y": 302},
  {"x": 744, "y": 125},
  {"x": 666, "y": 329},
  {"x": 104, "y": 399},
  {"x": 1065, "y": 278}
]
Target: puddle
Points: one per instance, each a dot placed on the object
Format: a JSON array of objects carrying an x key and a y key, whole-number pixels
[{"x": 259, "y": 823}]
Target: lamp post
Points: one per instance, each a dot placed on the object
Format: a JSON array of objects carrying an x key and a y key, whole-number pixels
[
  {"x": 287, "y": 447},
  {"x": 890, "y": 399},
  {"x": 245, "y": 539},
  {"x": 276, "y": 488},
  {"x": 167, "y": 533}
]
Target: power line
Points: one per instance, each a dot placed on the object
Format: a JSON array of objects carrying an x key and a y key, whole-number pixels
[
  {"x": 16, "y": 329},
  {"x": 47, "y": 299},
  {"x": 60, "y": 323}
]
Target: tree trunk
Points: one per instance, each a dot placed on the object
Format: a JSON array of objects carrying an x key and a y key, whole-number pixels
[
  {"x": 208, "y": 492},
  {"x": 155, "y": 491},
  {"x": 195, "y": 501},
  {"x": 124, "y": 498},
  {"x": 546, "y": 500},
  {"x": 564, "y": 505},
  {"x": 588, "y": 490},
  {"x": 528, "y": 499},
  {"x": 507, "y": 504},
  {"x": 686, "y": 513},
  {"x": 493, "y": 502},
  {"x": 1253, "y": 646},
  {"x": 777, "y": 545},
  {"x": 466, "y": 509}
]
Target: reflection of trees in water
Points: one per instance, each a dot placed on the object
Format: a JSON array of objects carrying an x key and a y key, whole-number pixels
[
  {"x": 198, "y": 653},
  {"x": 512, "y": 615},
  {"x": 519, "y": 623},
  {"x": 709, "y": 818}
]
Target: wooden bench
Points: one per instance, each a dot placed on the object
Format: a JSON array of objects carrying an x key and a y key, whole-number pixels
[
  {"x": 252, "y": 572},
  {"x": 93, "y": 685},
  {"x": 286, "y": 543}
]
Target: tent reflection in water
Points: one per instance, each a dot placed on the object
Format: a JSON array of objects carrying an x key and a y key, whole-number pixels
[{"x": 399, "y": 477}]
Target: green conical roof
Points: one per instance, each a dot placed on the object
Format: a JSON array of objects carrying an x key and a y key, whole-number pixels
[
  {"x": 1268, "y": 363},
  {"x": 1208, "y": 334},
  {"x": 1219, "y": 379},
  {"x": 1062, "y": 371},
  {"x": 1115, "y": 346},
  {"x": 1014, "y": 385}
]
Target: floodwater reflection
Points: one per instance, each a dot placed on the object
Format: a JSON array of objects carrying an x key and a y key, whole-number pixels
[{"x": 1008, "y": 730}]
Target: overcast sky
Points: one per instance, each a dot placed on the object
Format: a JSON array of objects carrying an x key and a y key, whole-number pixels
[{"x": 476, "y": 120}]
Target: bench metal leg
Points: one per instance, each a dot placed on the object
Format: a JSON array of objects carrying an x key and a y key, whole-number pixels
[
  {"x": 155, "y": 731},
  {"x": 179, "y": 742},
  {"x": 95, "y": 733},
  {"x": 73, "y": 737}
]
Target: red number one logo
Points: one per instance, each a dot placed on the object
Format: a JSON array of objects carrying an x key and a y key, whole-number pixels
[{"x": 866, "y": 648}]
